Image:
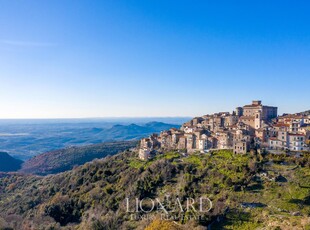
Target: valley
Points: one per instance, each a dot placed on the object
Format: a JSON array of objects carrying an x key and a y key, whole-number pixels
[{"x": 24, "y": 139}]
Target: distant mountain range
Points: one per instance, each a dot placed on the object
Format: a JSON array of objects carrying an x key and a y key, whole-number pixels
[
  {"x": 23, "y": 140},
  {"x": 65, "y": 159},
  {"x": 133, "y": 131},
  {"x": 8, "y": 163}
]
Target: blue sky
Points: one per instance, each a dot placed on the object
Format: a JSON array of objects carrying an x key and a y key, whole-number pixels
[{"x": 62, "y": 59}]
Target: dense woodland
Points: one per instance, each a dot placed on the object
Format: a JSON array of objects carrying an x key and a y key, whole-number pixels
[{"x": 247, "y": 191}]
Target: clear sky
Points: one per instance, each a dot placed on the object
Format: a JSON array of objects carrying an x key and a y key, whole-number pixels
[{"x": 61, "y": 58}]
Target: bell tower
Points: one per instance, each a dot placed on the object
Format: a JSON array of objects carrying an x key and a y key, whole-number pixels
[{"x": 258, "y": 120}]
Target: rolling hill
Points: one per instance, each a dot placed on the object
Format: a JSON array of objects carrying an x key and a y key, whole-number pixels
[
  {"x": 65, "y": 159},
  {"x": 9, "y": 163}
]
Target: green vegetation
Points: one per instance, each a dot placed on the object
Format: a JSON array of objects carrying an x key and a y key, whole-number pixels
[
  {"x": 248, "y": 191},
  {"x": 65, "y": 159},
  {"x": 196, "y": 160},
  {"x": 137, "y": 163}
]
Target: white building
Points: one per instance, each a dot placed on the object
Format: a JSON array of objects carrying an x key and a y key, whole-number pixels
[
  {"x": 288, "y": 141},
  {"x": 296, "y": 142}
]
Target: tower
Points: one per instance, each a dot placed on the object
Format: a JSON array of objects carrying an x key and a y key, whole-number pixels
[
  {"x": 258, "y": 120},
  {"x": 239, "y": 111}
]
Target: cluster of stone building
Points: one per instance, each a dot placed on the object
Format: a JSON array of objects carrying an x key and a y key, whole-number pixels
[{"x": 250, "y": 126}]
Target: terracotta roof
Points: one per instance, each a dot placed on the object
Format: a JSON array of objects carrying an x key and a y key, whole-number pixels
[
  {"x": 281, "y": 125},
  {"x": 247, "y": 117},
  {"x": 296, "y": 134},
  {"x": 292, "y": 116},
  {"x": 251, "y": 106}
]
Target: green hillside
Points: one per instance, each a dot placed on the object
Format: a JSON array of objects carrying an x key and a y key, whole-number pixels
[
  {"x": 65, "y": 159},
  {"x": 247, "y": 192}
]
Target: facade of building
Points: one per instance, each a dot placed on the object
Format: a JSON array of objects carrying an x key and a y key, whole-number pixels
[
  {"x": 288, "y": 141},
  {"x": 267, "y": 112},
  {"x": 241, "y": 146}
]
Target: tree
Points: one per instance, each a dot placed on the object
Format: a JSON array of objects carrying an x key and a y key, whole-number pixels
[{"x": 162, "y": 225}]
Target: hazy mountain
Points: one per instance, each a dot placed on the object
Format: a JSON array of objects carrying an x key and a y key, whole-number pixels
[
  {"x": 133, "y": 131},
  {"x": 158, "y": 126},
  {"x": 24, "y": 140},
  {"x": 8, "y": 163}
]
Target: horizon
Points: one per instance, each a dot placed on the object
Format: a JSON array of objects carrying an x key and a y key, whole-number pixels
[
  {"x": 135, "y": 117},
  {"x": 151, "y": 59},
  {"x": 94, "y": 121}
]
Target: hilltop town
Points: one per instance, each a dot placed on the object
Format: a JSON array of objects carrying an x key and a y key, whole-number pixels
[{"x": 254, "y": 126}]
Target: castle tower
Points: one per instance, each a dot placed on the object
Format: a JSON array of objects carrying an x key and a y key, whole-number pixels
[
  {"x": 258, "y": 120},
  {"x": 239, "y": 111}
]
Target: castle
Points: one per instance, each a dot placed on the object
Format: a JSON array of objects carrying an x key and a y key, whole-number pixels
[{"x": 250, "y": 126}]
